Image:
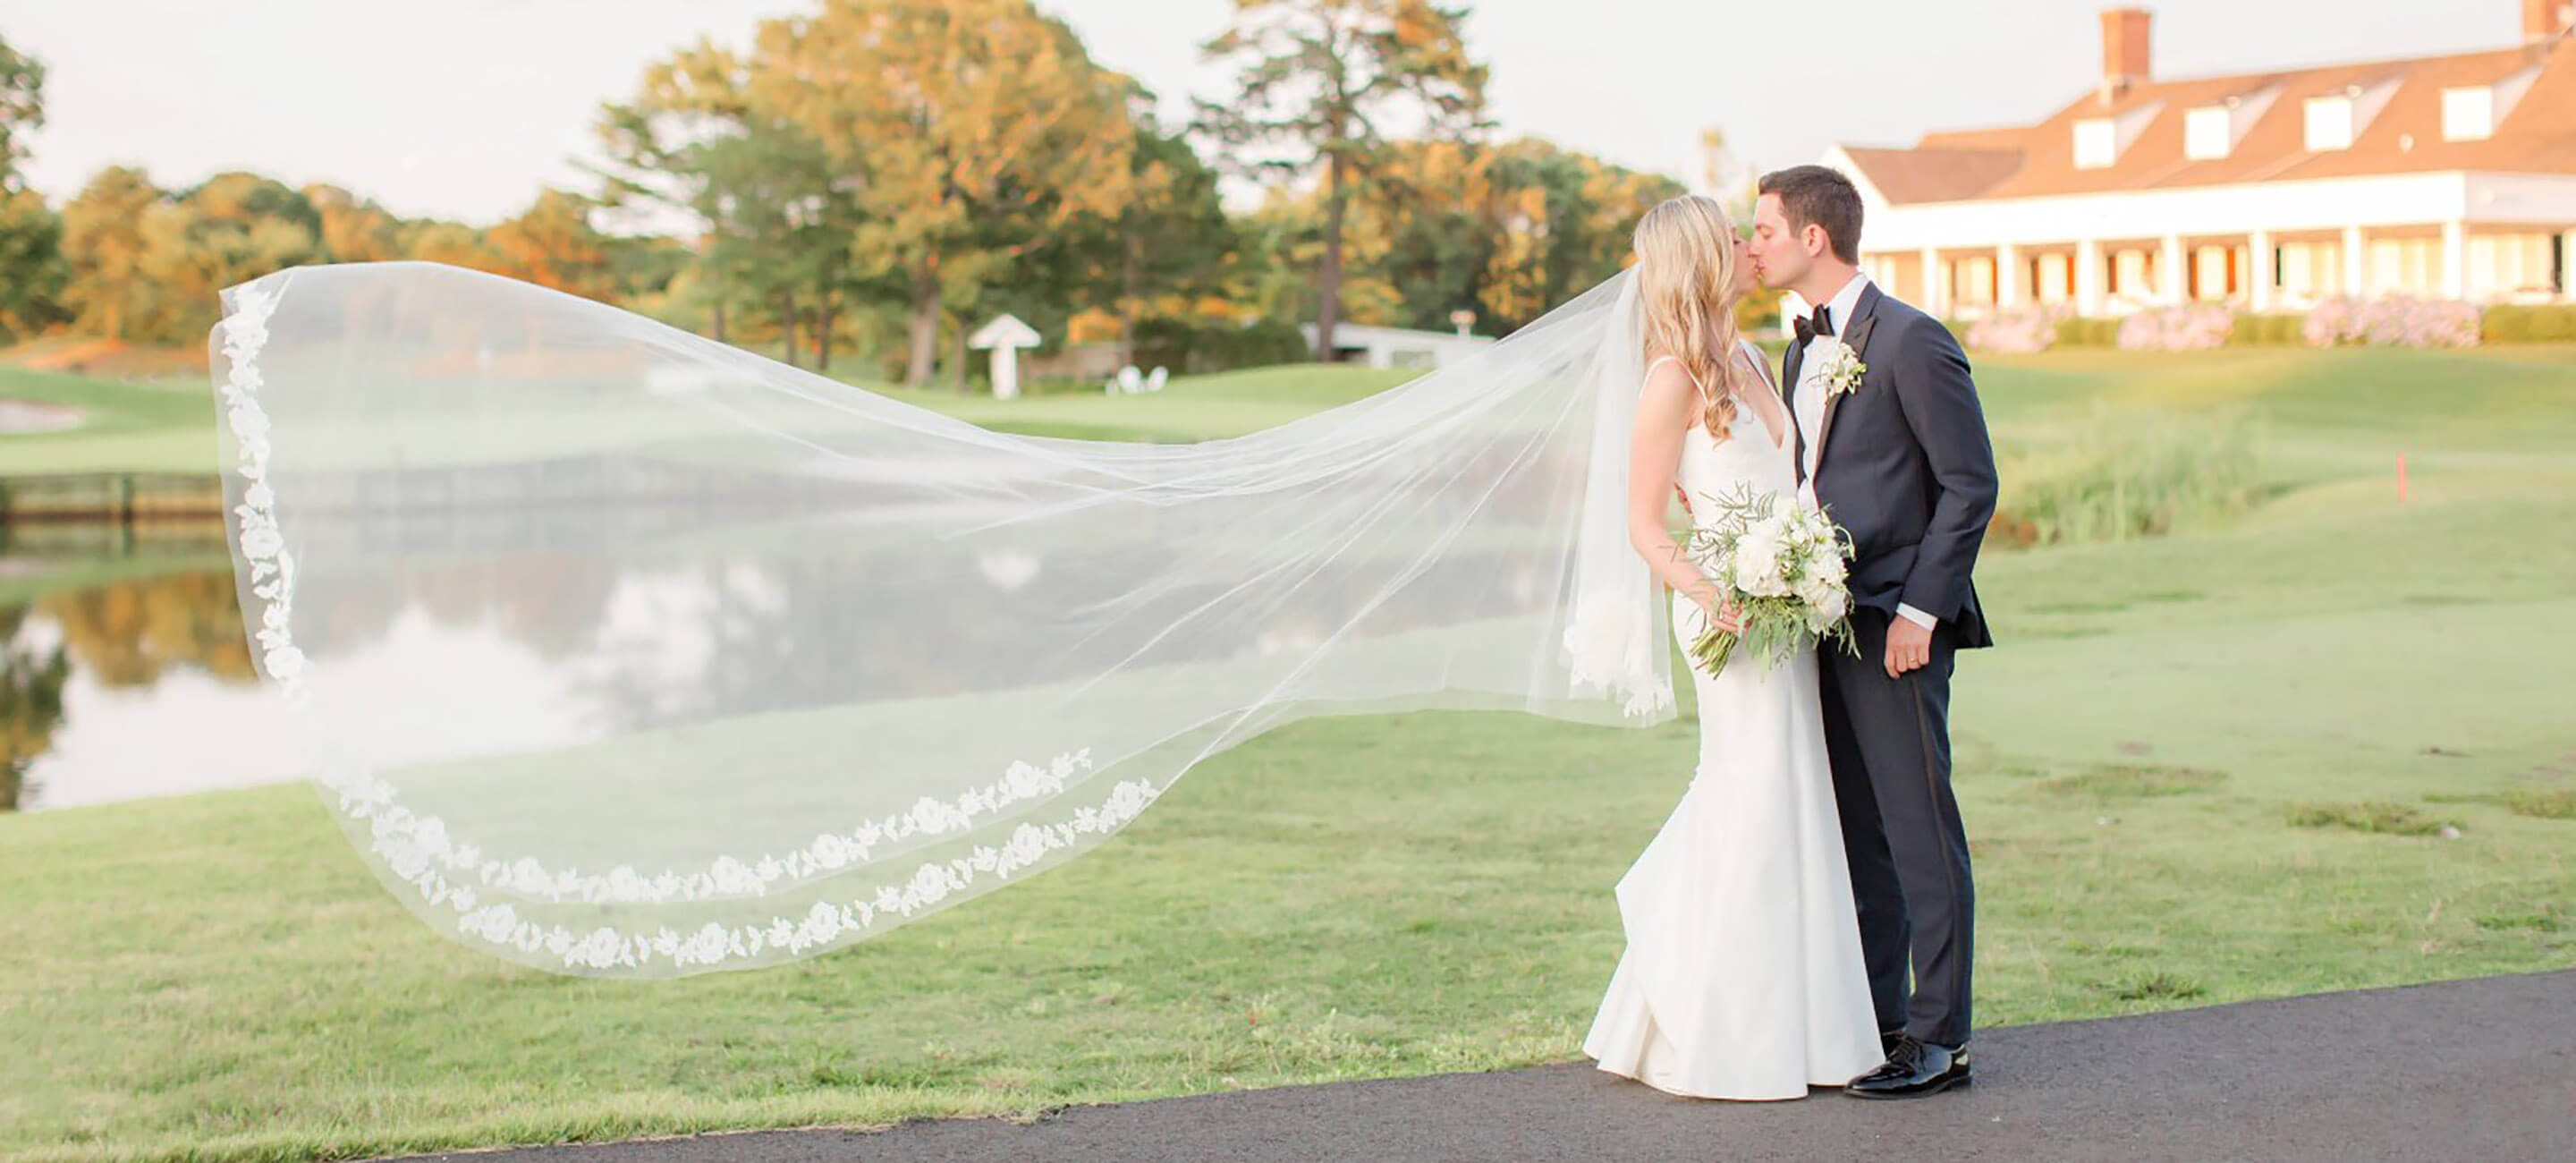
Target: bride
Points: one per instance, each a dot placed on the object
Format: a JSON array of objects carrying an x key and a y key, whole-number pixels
[{"x": 1742, "y": 977}]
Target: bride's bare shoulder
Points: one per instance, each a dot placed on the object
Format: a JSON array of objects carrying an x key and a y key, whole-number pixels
[
  {"x": 1669, "y": 387},
  {"x": 1667, "y": 370}
]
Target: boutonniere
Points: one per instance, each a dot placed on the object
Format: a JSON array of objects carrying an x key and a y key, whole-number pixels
[{"x": 1841, "y": 369}]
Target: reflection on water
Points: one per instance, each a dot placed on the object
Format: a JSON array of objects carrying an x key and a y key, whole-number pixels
[
  {"x": 145, "y": 686},
  {"x": 512, "y": 608},
  {"x": 123, "y": 689}
]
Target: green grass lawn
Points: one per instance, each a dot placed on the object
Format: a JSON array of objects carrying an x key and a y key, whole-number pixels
[
  {"x": 142, "y": 427},
  {"x": 169, "y": 426},
  {"x": 2200, "y": 768}
]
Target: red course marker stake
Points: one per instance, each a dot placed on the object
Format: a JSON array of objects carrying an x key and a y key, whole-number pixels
[{"x": 2401, "y": 478}]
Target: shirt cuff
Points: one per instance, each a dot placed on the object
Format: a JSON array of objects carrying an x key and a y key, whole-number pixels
[{"x": 1916, "y": 616}]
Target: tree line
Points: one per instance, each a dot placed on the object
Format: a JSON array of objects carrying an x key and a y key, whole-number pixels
[{"x": 864, "y": 182}]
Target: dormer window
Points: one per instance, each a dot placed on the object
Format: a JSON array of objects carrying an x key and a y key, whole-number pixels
[
  {"x": 2474, "y": 113},
  {"x": 2097, "y": 144},
  {"x": 2212, "y": 132},
  {"x": 2099, "y": 141},
  {"x": 2329, "y": 123},
  {"x": 2468, "y": 114},
  {"x": 2208, "y": 135},
  {"x": 2338, "y": 119}
]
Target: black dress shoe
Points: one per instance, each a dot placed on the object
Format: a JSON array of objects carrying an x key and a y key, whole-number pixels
[
  {"x": 1887, "y": 1040},
  {"x": 1914, "y": 1069}
]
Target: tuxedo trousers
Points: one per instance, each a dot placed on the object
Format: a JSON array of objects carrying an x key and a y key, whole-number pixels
[{"x": 1889, "y": 743}]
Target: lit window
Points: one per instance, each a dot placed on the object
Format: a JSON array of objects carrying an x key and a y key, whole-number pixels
[
  {"x": 2329, "y": 123},
  {"x": 2097, "y": 144},
  {"x": 2207, "y": 134},
  {"x": 2468, "y": 114}
]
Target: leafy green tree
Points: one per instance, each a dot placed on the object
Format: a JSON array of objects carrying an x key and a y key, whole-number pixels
[
  {"x": 453, "y": 243},
  {"x": 103, "y": 252},
  {"x": 661, "y": 147},
  {"x": 1316, "y": 79},
  {"x": 970, "y": 130},
  {"x": 1506, "y": 231},
  {"x": 1171, "y": 241},
  {"x": 354, "y": 229},
  {"x": 552, "y": 244},
  {"x": 22, "y": 111},
  {"x": 775, "y": 213},
  {"x": 229, "y": 229},
  {"x": 32, "y": 271}
]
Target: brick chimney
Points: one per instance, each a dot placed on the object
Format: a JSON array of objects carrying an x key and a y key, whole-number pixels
[
  {"x": 2546, "y": 20},
  {"x": 2125, "y": 43}
]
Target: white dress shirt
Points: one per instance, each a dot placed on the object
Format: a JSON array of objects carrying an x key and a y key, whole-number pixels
[{"x": 1811, "y": 403}]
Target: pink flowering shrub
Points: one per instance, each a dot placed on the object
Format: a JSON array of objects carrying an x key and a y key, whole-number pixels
[
  {"x": 2018, "y": 330},
  {"x": 2393, "y": 321},
  {"x": 2193, "y": 327}
]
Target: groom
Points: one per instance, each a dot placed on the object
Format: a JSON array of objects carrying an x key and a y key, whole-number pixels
[{"x": 1898, "y": 455}]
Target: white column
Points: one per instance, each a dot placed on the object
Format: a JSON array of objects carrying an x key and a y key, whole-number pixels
[
  {"x": 2455, "y": 260},
  {"x": 2175, "y": 286},
  {"x": 2260, "y": 261},
  {"x": 2088, "y": 290},
  {"x": 2009, "y": 276},
  {"x": 1936, "y": 290},
  {"x": 2354, "y": 263},
  {"x": 2567, "y": 264}
]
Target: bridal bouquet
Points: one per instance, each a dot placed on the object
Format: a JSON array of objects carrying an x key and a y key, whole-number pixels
[{"x": 1779, "y": 563}]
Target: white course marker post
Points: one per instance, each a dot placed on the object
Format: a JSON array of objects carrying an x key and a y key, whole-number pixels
[{"x": 1004, "y": 337}]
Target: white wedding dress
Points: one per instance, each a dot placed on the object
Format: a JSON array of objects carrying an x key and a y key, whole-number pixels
[{"x": 1742, "y": 977}]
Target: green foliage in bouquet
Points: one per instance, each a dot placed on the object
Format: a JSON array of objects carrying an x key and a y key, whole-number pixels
[{"x": 1779, "y": 566}]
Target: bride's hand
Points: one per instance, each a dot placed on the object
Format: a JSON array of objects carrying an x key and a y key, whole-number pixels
[{"x": 1724, "y": 617}]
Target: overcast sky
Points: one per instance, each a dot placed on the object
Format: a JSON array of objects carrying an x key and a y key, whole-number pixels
[{"x": 462, "y": 108}]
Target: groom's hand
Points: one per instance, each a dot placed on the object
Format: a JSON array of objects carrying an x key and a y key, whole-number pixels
[{"x": 1909, "y": 645}]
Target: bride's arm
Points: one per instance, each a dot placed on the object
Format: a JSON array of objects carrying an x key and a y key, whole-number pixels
[{"x": 1654, "y": 454}]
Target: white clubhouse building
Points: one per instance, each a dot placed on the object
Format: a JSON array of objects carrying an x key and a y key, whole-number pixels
[{"x": 2449, "y": 177}]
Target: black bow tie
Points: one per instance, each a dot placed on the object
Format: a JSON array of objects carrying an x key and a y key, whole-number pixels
[{"x": 1809, "y": 327}]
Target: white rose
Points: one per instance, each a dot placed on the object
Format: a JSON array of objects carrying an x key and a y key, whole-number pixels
[
  {"x": 1758, "y": 568},
  {"x": 1815, "y": 590},
  {"x": 1758, "y": 559},
  {"x": 1836, "y": 603}
]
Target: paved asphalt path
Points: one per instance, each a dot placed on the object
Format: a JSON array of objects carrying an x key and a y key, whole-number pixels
[{"x": 2465, "y": 1070}]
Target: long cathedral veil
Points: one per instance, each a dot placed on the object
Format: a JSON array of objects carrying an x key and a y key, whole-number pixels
[{"x": 621, "y": 652}]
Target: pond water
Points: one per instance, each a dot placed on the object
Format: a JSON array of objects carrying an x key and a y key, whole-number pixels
[
  {"x": 125, "y": 672},
  {"x": 121, "y": 689}
]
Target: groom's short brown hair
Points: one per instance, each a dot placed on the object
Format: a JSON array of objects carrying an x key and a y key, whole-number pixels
[{"x": 1820, "y": 196}]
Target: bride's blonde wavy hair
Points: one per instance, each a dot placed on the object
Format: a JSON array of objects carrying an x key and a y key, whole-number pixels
[{"x": 1686, "y": 295}]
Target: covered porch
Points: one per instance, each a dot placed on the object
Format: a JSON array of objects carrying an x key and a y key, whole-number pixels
[
  {"x": 2475, "y": 238},
  {"x": 2255, "y": 270}
]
